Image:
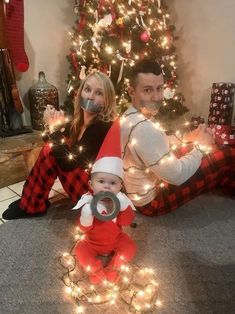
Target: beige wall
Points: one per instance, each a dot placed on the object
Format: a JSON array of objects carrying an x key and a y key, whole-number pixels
[
  {"x": 47, "y": 23},
  {"x": 206, "y": 48}
]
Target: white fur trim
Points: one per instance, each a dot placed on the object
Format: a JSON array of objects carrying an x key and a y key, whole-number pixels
[
  {"x": 125, "y": 201},
  {"x": 111, "y": 165},
  {"x": 86, "y": 218},
  {"x": 86, "y": 198}
]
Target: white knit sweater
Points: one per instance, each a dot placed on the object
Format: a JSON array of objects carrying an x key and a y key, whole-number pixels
[{"x": 143, "y": 144}]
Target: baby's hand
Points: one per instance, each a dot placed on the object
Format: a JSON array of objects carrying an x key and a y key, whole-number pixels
[{"x": 86, "y": 218}]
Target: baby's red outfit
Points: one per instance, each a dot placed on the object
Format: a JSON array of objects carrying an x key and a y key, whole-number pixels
[{"x": 106, "y": 237}]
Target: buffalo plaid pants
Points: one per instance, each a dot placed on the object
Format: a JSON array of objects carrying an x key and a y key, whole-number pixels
[
  {"x": 42, "y": 177},
  {"x": 217, "y": 169}
]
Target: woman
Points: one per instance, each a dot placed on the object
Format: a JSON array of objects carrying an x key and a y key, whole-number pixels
[{"x": 71, "y": 150}]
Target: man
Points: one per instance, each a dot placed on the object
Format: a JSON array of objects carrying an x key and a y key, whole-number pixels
[{"x": 155, "y": 179}]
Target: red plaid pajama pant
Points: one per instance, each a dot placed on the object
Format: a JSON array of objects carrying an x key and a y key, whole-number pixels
[
  {"x": 42, "y": 177},
  {"x": 217, "y": 169}
]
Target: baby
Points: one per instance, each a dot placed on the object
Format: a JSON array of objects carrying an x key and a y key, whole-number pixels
[{"x": 105, "y": 237}]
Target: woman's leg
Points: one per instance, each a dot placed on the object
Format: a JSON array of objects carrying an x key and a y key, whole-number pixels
[
  {"x": 34, "y": 199},
  {"x": 75, "y": 182},
  {"x": 217, "y": 170},
  {"x": 39, "y": 183}
]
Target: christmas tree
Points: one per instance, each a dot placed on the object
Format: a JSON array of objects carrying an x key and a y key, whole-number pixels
[{"x": 111, "y": 36}]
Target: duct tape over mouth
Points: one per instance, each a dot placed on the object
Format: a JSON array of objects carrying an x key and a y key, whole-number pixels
[{"x": 112, "y": 211}]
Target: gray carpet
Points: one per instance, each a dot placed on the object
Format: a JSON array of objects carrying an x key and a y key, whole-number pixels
[{"x": 192, "y": 251}]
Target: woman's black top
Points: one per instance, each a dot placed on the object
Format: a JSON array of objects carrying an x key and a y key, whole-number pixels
[{"x": 84, "y": 151}]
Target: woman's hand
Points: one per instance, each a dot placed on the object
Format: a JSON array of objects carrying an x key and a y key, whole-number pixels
[{"x": 52, "y": 116}]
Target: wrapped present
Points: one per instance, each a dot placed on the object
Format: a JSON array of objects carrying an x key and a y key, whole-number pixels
[
  {"x": 220, "y": 99},
  {"x": 223, "y": 89},
  {"x": 222, "y": 104},
  {"x": 224, "y": 134}
]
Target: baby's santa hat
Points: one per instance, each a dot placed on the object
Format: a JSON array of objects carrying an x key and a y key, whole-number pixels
[{"x": 109, "y": 158}]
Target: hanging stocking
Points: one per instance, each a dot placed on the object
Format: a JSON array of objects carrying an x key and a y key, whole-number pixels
[
  {"x": 15, "y": 34},
  {"x": 2, "y": 26}
]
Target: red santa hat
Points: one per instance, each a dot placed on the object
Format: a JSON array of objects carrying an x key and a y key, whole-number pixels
[{"x": 109, "y": 158}]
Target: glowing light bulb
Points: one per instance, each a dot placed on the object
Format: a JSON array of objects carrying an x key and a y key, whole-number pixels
[
  {"x": 147, "y": 186},
  {"x": 133, "y": 142},
  {"x": 68, "y": 290},
  {"x": 80, "y": 309},
  {"x": 158, "y": 303}
]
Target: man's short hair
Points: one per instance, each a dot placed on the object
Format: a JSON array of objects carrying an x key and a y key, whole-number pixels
[{"x": 144, "y": 66}]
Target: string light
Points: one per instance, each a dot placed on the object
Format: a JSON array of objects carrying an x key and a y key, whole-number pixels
[
  {"x": 166, "y": 158},
  {"x": 140, "y": 296}
]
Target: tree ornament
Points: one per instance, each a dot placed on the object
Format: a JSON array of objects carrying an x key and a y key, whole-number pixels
[
  {"x": 74, "y": 60},
  {"x": 76, "y": 7},
  {"x": 82, "y": 74},
  {"x": 168, "y": 93},
  {"x": 128, "y": 47},
  {"x": 81, "y": 24},
  {"x": 145, "y": 36},
  {"x": 120, "y": 21}
]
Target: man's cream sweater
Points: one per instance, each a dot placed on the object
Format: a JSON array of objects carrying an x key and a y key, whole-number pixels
[{"x": 147, "y": 158}]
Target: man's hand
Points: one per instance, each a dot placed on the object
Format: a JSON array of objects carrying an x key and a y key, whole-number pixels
[
  {"x": 205, "y": 136},
  {"x": 202, "y": 135}
]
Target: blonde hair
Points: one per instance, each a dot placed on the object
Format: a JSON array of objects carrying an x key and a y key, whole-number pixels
[{"x": 108, "y": 112}]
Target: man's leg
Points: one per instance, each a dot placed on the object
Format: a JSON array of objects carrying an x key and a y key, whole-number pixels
[{"x": 217, "y": 170}]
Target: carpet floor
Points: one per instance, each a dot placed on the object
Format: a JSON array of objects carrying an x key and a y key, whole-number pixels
[{"x": 192, "y": 251}]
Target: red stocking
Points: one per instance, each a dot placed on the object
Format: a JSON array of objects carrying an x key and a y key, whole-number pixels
[{"x": 15, "y": 34}]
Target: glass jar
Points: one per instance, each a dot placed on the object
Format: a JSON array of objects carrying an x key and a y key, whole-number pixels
[{"x": 40, "y": 95}]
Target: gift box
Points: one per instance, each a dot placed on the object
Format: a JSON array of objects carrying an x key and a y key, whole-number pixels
[
  {"x": 223, "y": 89},
  {"x": 224, "y": 134},
  {"x": 221, "y": 109}
]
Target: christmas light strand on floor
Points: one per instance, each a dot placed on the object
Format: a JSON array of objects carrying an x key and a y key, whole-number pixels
[{"x": 137, "y": 288}]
